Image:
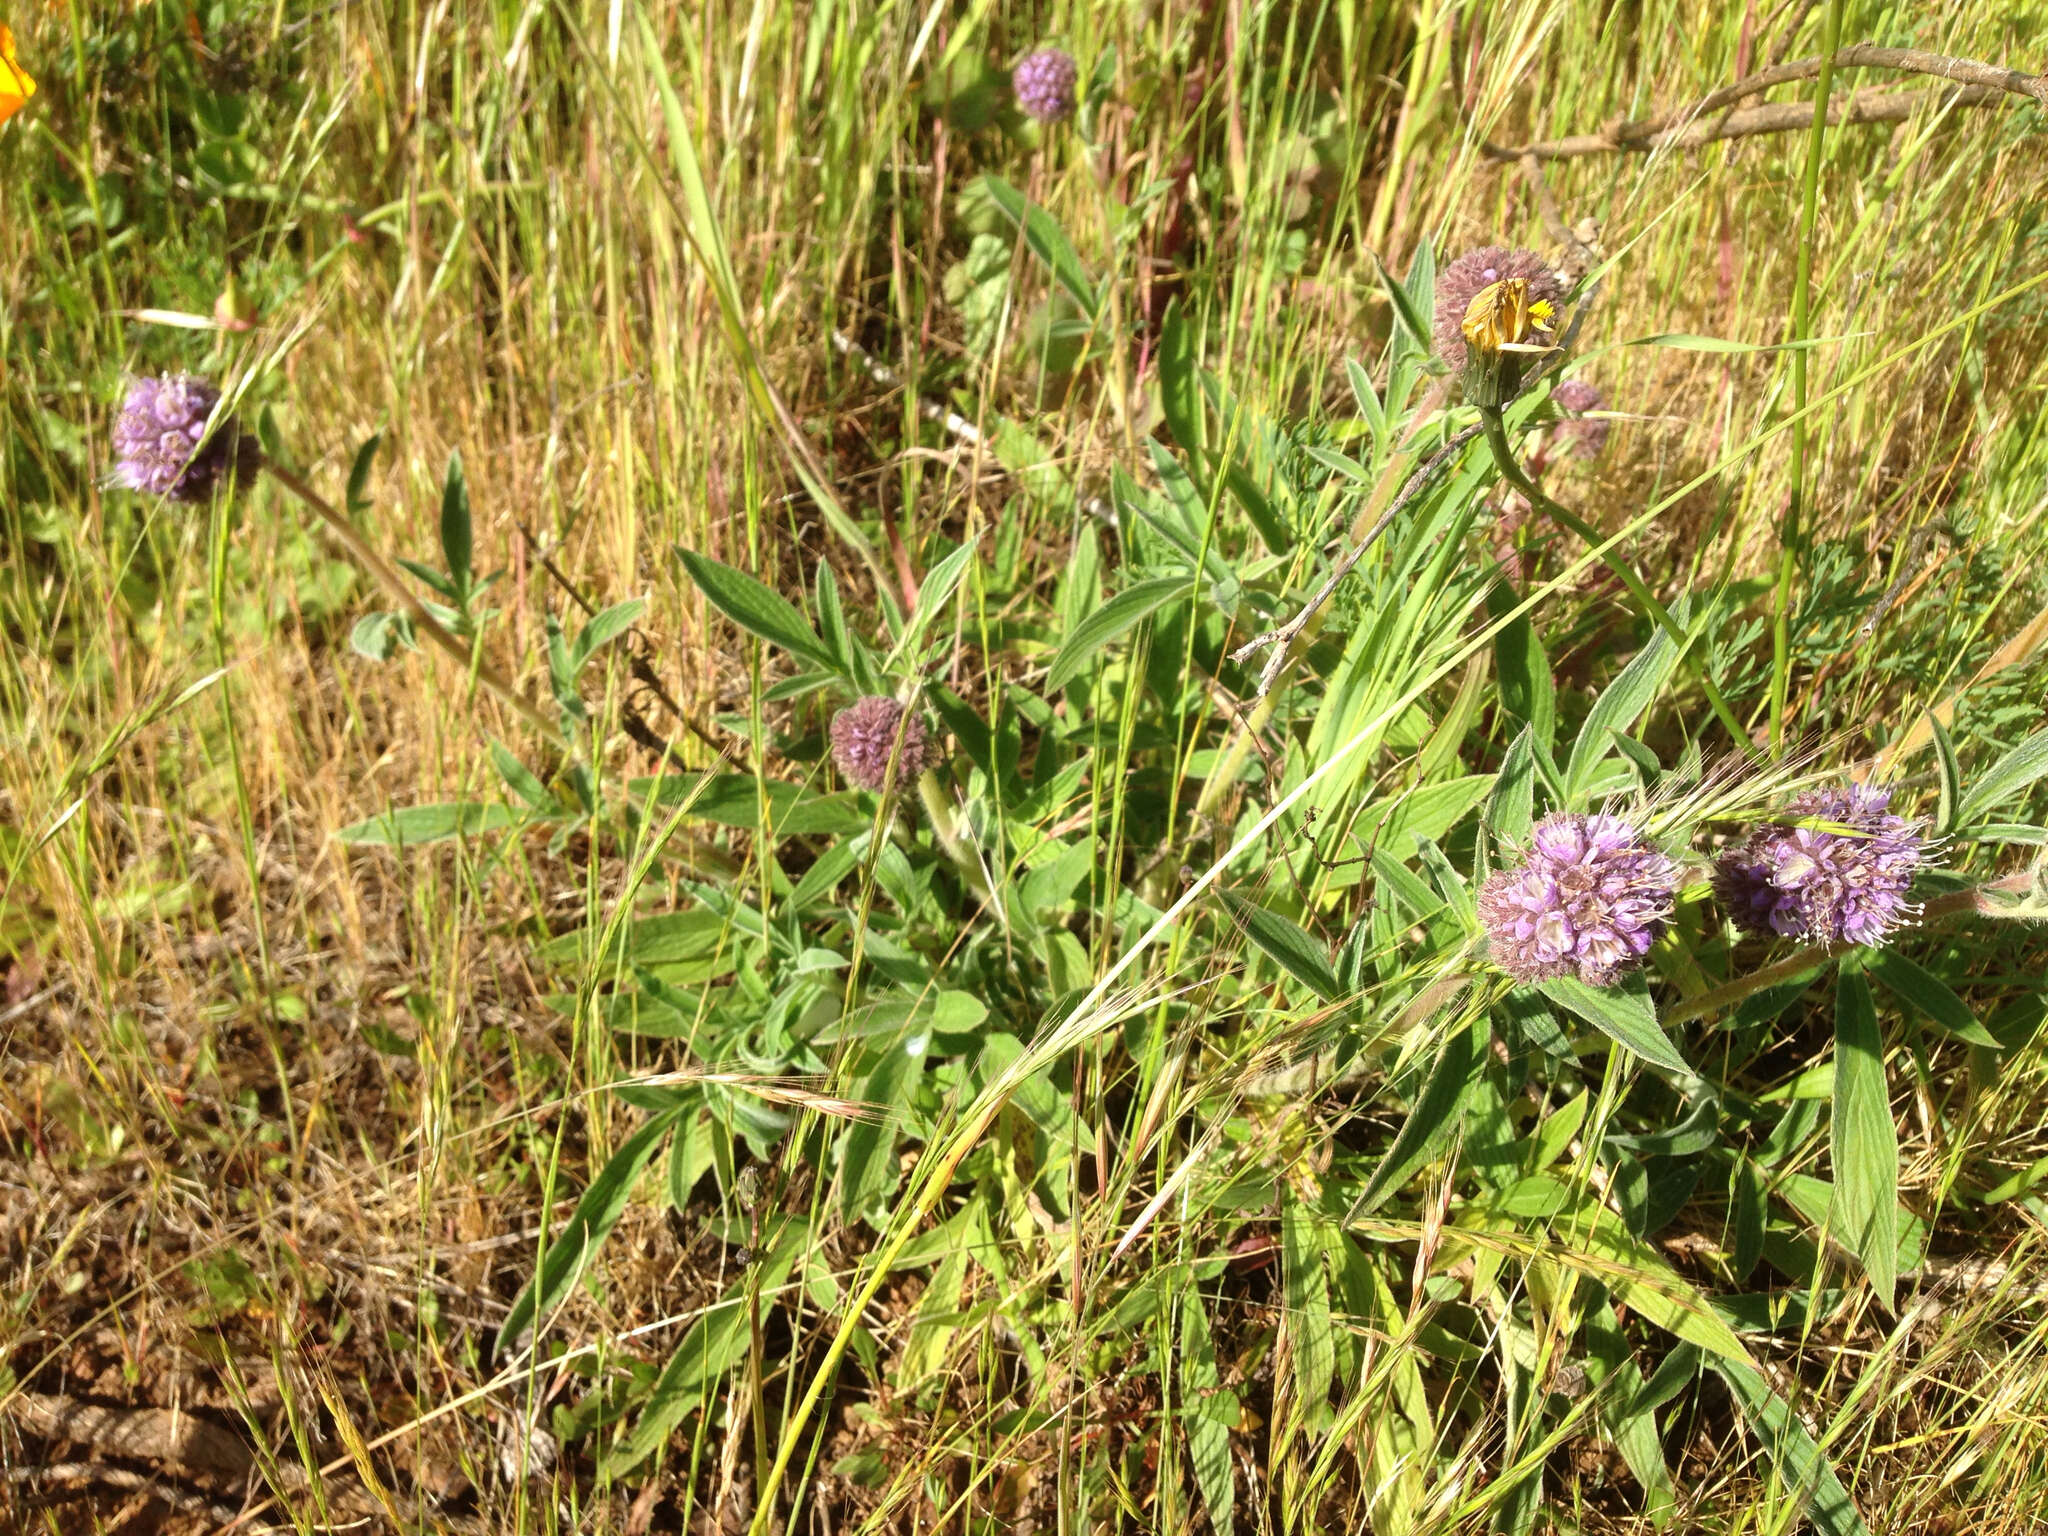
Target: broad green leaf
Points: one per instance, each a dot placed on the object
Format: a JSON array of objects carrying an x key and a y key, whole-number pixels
[
  {"x": 1102, "y": 625},
  {"x": 1208, "y": 1415},
  {"x": 1526, "y": 689},
  {"x": 1407, "y": 314},
  {"x": 588, "y": 1226},
  {"x": 607, "y": 626},
  {"x": 1511, "y": 808},
  {"x": 1627, "y": 1017},
  {"x": 1617, "y": 709},
  {"x": 1428, "y": 812},
  {"x": 456, "y": 538},
  {"x": 1308, "y": 1305},
  {"x": 868, "y": 1172},
  {"x": 1793, "y": 1453},
  {"x": 1435, "y": 1116},
  {"x": 521, "y": 780},
  {"x": 1865, "y": 1139},
  {"x": 379, "y": 636},
  {"x": 1929, "y": 995},
  {"x": 418, "y": 824},
  {"x": 689, "y": 1156},
  {"x": 1368, "y": 399},
  {"x": 1951, "y": 777},
  {"x": 715, "y": 1343},
  {"x": 754, "y": 607},
  {"x": 741, "y": 800},
  {"x": 933, "y": 594},
  {"x": 1180, "y": 387},
  {"x": 1048, "y": 242},
  {"x": 1302, "y": 957},
  {"x": 2007, "y": 778},
  {"x": 357, "y": 498}
]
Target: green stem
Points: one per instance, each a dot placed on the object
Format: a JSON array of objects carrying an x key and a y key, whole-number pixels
[
  {"x": 1511, "y": 468},
  {"x": 1802, "y": 295},
  {"x": 945, "y": 825},
  {"x": 1953, "y": 904}
]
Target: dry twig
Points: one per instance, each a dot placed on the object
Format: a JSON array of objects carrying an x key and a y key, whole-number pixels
[{"x": 1715, "y": 116}]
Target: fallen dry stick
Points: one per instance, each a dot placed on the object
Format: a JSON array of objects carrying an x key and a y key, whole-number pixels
[
  {"x": 1708, "y": 119},
  {"x": 1872, "y": 106}
]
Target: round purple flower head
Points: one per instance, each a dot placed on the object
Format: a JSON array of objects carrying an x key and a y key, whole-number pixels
[
  {"x": 1044, "y": 83},
  {"x": 1459, "y": 284},
  {"x": 864, "y": 739},
  {"x": 1845, "y": 887},
  {"x": 1589, "y": 902},
  {"x": 157, "y": 439},
  {"x": 1579, "y": 435}
]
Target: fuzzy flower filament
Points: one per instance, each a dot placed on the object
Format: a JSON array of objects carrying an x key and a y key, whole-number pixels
[
  {"x": 1044, "y": 81},
  {"x": 871, "y": 734},
  {"x": 160, "y": 442},
  {"x": 1845, "y": 882},
  {"x": 1589, "y": 901}
]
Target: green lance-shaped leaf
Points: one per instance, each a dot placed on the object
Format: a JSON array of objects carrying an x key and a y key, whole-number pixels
[
  {"x": 457, "y": 540},
  {"x": 1865, "y": 1139},
  {"x": 1624, "y": 1014},
  {"x": 1294, "y": 950},
  {"x": 1102, "y": 625},
  {"x": 1435, "y": 1116},
  {"x": 1793, "y": 1452},
  {"x": 756, "y": 608},
  {"x": 589, "y": 1225}
]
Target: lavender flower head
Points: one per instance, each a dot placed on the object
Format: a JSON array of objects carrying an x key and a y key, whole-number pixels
[
  {"x": 157, "y": 439},
  {"x": 1581, "y": 436},
  {"x": 1589, "y": 902},
  {"x": 1460, "y": 283},
  {"x": 1834, "y": 887},
  {"x": 1044, "y": 83},
  {"x": 864, "y": 739}
]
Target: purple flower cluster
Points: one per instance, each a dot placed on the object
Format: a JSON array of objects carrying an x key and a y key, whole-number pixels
[
  {"x": 865, "y": 738},
  {"x": 1589, "y": 902},
  {"x": 158, "y": 435},
  {"x": 1044, "y": 82},
  {"x": 1846, "y": 886},
  {"x": 1460, "y": 283}
]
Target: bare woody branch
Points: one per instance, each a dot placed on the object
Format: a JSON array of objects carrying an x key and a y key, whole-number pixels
[{"x": 1715, "y": 116}]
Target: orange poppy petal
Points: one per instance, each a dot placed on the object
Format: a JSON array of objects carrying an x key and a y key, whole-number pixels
[{"x": 16, "y": 85}]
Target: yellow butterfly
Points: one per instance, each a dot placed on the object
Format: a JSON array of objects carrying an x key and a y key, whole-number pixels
[
  {"x": 1503, "y": 318},
  {"x": 15, "y": 85}
]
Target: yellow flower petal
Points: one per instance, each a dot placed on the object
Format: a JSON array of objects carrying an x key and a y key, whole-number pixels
[{"x": 16, "y": 86}]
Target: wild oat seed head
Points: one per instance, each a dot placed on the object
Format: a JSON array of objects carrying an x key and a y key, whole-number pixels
[
  {"x": 1462, "y": 281},
  {"x": 1805, "y": 882},
  {"x": 864, "y": 738},
  {"x": 1589, "y": 902},
  {"x": 1044, "y": 82},
  {"x": 157, "y": 439},
  {"x": 1578, "y": 435}
]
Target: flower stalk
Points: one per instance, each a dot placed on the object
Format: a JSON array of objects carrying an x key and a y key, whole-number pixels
[{"x": 1510, "y": 467}]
